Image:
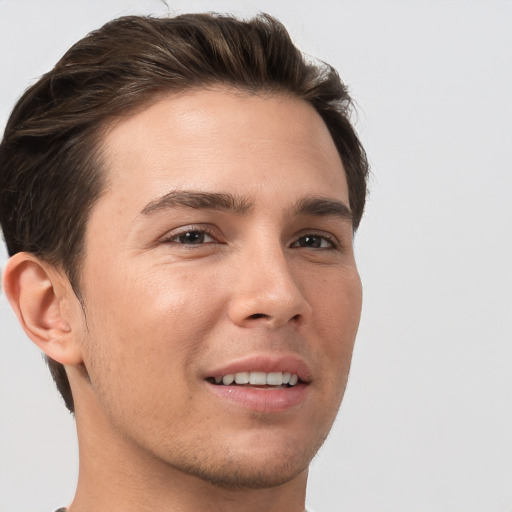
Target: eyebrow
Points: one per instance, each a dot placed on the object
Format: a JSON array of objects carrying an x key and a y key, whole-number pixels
[
  {"x": 323, "y": 207},
  {"x": 226, "y": 202},
  {"x": 219, "y": 201}
]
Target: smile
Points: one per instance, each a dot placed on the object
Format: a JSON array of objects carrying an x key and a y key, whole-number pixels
[
  {"x": 265, "y": 383},
  {"x": 256, "y": 378}
]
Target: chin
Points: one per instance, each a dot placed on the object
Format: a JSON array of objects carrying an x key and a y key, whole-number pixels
[
  {"x": 263, "y": 465},
  {"x": 249, "y": 475}
]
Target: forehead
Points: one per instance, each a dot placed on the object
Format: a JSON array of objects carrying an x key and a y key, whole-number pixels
[{"x": 221, "y": 140}]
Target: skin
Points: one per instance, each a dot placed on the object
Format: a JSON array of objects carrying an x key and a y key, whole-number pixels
[{"x": 161, "y": 314}]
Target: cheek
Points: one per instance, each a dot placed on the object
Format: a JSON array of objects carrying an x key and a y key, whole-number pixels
[
  {"x": 143, "y": 345},
  {"x": 336, "y": 320},
  {"x": 158, "y": 319},
  {"x": 337, "y": 300}
]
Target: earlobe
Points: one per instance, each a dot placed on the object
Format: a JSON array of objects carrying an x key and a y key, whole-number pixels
[{"x": 38, "y": 294}]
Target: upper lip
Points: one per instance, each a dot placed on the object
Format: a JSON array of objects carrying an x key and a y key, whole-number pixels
[{"x": 264, "y": 363}]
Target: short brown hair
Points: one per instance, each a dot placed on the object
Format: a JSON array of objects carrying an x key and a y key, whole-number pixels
[{"x": 50, "y": 167}]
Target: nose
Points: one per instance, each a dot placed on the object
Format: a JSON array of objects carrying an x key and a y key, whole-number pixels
[{"x": 267, "y": 291}]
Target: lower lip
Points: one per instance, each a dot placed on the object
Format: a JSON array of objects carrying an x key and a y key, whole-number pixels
[{"x": 262, "y": 399}]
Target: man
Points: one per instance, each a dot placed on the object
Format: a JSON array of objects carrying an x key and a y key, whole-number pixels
[{"x": 179, "y": 198}]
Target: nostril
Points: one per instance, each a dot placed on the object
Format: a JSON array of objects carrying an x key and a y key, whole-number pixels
[{"x": 258, "y": 315}]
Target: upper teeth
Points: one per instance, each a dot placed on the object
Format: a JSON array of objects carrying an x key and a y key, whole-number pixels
[{"x": 259, "y": 378}]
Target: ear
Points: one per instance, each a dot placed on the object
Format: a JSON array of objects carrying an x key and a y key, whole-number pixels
[{"x": 41, "y": 297}]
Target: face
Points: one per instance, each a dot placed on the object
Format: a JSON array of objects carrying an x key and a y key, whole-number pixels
[{"x": 220, "y": 250}]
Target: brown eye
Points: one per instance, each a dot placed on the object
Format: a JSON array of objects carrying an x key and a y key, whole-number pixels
[
  {"x": 192, "y": 237},
  {"x": 313, "y": 242}
]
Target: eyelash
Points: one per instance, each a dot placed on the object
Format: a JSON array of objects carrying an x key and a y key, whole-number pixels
[
  {"x": 190, "y": 229},
  {"x": 173, "y": 238},
  {"x": 333, "y": 244}
]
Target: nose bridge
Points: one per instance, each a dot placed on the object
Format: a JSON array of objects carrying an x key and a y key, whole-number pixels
[{"x": 267, "y": 290}]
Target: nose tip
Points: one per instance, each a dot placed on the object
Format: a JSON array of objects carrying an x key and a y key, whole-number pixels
[{"x": 271, "y": 297}]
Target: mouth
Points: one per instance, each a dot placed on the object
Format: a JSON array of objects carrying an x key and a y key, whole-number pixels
[
  {"x": 265, "y": 384},
  {"x": 270, "y": 380}
]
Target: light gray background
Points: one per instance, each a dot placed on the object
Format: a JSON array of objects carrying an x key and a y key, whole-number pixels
[{"x": 426, "y": 424}]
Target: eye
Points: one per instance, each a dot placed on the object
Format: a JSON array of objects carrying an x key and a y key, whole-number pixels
[
  {"x": 191, "y": 237},
  {"x": 314, "y": 242}
]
